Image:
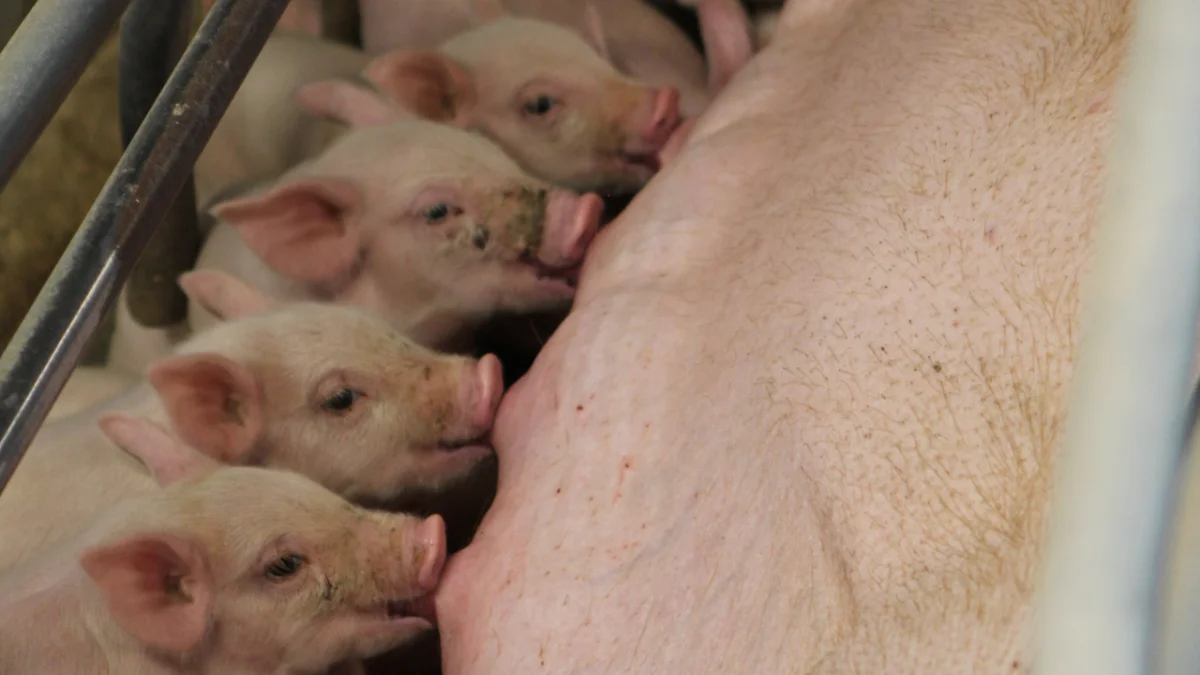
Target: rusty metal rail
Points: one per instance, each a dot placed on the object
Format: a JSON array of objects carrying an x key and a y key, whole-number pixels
[
  {"x": 154, "y": 35},
  {"x": 155, "y": 166}
]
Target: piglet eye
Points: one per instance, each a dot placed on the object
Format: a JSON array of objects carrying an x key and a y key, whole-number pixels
[
  {"x": 341, "y": 400},
  {"x": 541, "y": 105},
  {"x": 284, "y": 567},
  {"x": 436, "y": 213}
]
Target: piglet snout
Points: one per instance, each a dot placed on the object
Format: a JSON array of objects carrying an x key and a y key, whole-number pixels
[
  {"x": 431, "y": 535},
  {"x": 659, "y": 116},
  {"x": 571, "y": 222},
  {"x": 480, "y": 390}
]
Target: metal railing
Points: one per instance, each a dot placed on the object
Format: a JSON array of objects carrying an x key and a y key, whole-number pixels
[{"x": 41, "y": 63}]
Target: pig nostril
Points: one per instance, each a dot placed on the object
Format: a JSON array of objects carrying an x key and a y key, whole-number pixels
[{"x": 480, "y": 237}]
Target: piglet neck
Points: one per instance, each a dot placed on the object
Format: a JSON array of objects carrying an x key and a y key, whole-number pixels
[
  {"x": 443, "y": 331},
  {"x": 415, "y": 310},
  {"x": 46, "y": 625}
]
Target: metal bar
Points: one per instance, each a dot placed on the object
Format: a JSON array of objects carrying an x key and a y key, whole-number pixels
[
  {"x": 41, "y": 64},
  {"x": 154, "y": 34},
  {"x": 1126, "y": 424},
  {"x": 1179, "y": 590},
  {"x": 84, "y": 284}
]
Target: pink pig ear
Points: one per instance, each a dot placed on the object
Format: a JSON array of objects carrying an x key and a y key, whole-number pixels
[
  {"x": 594, "y": 30},
  {"x": 158, "y": 588},
  {"x": 430, "y": 84},
  {"x": 167, "y": 459},
  {"x": 299, "y": 227},
  {"x": 223, "y": 295},
  {"x": 214, "y": 403},
  {"x": 347, "y": 103}
]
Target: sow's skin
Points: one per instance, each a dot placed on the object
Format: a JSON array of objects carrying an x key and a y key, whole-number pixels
[
  {"x": 327, "y": 391},
  {"x": 804, "y": 414},
  {"x": 225, "y": 570}
]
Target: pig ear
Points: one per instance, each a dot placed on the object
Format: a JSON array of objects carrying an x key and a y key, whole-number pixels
[
  {"x": 346, "y": 102},
  {"x": 430, "y": 84},
  {"x": 157, "y": 587},
  {"x": 214, "y": 403},
  {"x": 594, "y": 31},
  {"x": 167, "y": 459},
  {"x": 222, "y": 295},
  {"x": 483, "y": 11},
  {"x": 299, "y": 227}
]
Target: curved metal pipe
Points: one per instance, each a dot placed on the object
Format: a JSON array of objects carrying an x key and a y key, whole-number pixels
[
  {"x": 154, "y": 34},
  {"x": 84, "y": 284},
  {"x": 1126, "y": 424}
]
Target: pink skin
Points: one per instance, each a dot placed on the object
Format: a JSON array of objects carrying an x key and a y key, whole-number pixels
[
  {"x": 571, "y": 223},
  {"x": 480, "y": 391},
  {"x": 676, "y": 142},
  {"x": 431, "y": 534},
  {"x": 658, "y": 117}
]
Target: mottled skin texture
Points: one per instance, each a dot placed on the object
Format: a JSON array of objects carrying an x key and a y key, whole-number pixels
[{"x": 804, "y": 414}]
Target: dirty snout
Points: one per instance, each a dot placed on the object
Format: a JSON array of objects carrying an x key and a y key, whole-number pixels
[
  {"x": 649, "y": 127},
  {"x": 480, "y": 388},
  {"x": 549, "y": 230},
  {"x": 398, "y": 563}
]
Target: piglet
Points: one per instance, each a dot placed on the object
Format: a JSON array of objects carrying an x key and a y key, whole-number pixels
[
  {"x": 551, "y": 101},
  {"x": 230, "y": 570},
  {"x": 638, "y": 40},
  {"x": 264, "y": 132},
  {"x": 433, "y": 227},
  {"x": 328, "y": 391}
]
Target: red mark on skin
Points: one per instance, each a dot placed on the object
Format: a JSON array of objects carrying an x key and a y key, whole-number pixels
[
  {"x": 626, "y": 465},
  {"x": 1098, "y": 106},
  {"x": 955, "y": 324}
]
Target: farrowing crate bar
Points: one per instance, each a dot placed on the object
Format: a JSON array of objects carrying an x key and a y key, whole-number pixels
[{"x": 41, "y": 63}]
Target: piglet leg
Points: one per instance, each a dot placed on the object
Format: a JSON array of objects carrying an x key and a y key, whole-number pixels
[{"x": 728, "y": 39}]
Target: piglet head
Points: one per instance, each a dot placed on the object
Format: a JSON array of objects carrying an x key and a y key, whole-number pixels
[
  {"x": 551, "y": 100},
  {"x": 334, "y": 393},
  {"x": 253, "y": 566},
  {"x": 415, "y": 220}
]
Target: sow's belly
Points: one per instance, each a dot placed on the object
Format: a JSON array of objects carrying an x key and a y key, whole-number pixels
[{"x": 648, "y": 476}]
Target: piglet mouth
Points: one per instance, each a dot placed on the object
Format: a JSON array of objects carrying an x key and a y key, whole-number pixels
[
  {"x": 640, "y": 160},
  {"x": 413, "y": 608},
  {"x": 460, "y": 444},
  {"x": 543, "y": 272}
]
